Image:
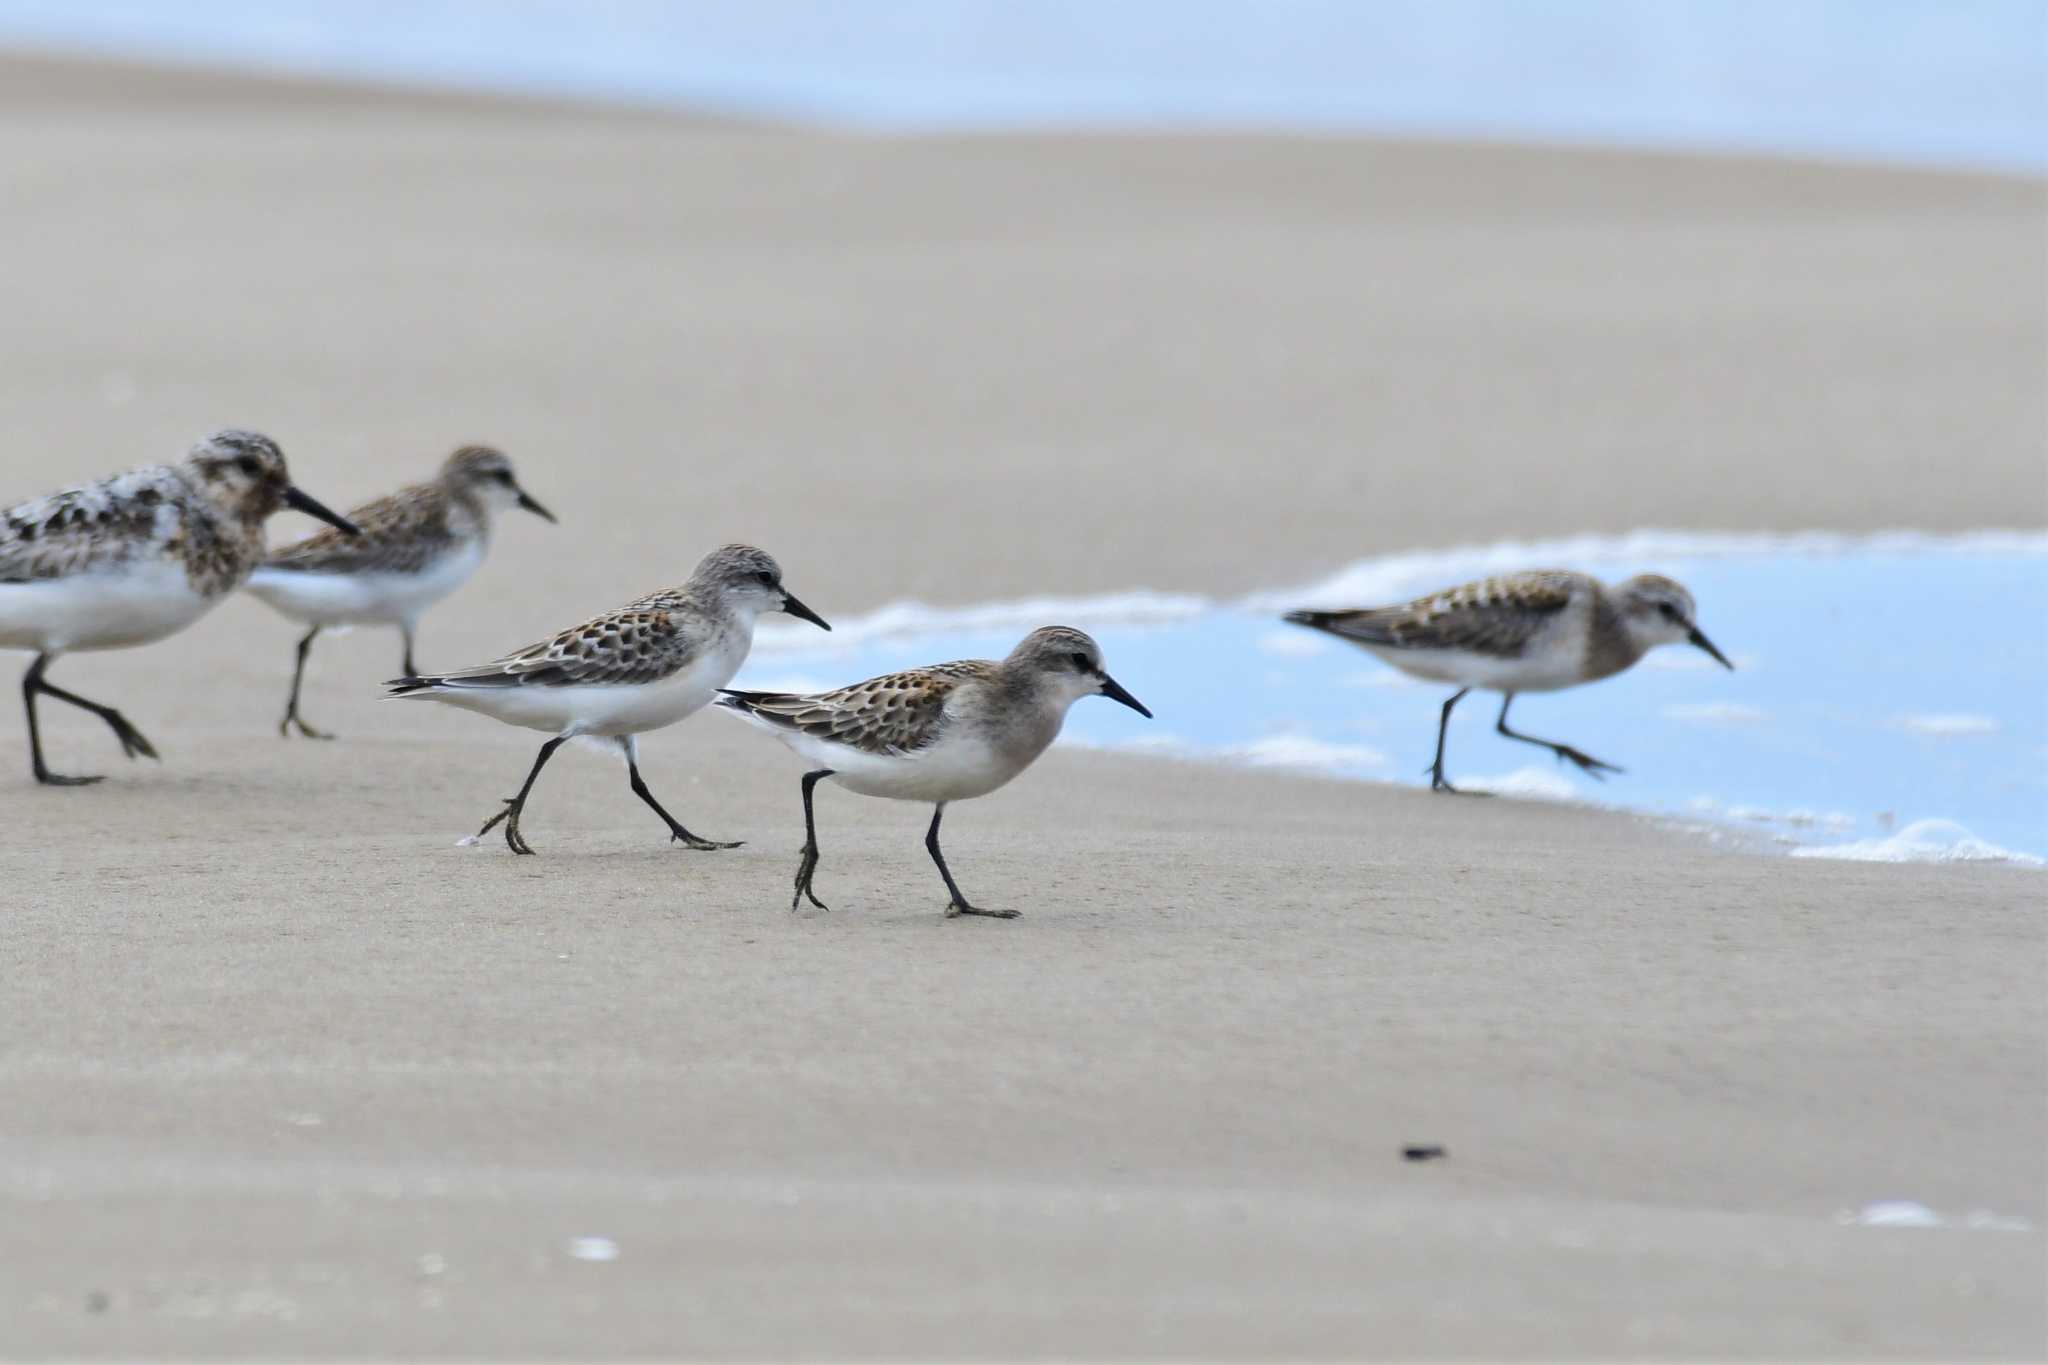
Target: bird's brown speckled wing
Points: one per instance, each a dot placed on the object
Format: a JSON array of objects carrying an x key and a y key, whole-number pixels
[
  {"x": 402, "y": 533},
  {"x": 92, "y": 526},
  {"x": 897, "y": 713},
  {"x": 641, "y": 643},
  {"x": 1495, "y": 616}
]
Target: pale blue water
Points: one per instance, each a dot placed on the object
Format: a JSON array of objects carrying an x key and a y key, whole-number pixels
[
  {"x": 1873, "y": 690},
  {"x": 1951, "y": 82}
]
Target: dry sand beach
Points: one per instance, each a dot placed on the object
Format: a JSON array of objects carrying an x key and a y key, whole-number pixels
[{"x": 284, "y": 1072}]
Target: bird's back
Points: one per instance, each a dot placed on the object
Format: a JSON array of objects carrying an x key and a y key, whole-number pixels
[
  {"x": 894, "y": 714},
  {"x": 1511, "y": 632},
  {"x": 402, "y": 533},
  {"x": 93, "y": 526}
]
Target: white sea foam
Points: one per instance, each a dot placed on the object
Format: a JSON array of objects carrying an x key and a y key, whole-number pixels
[
  {"x": 1923, "y": 841},
  {"x": 1391, "y": 578},
  {"x": 593, "y": 1248},
  {"x": 1275, "y": 650},
  {"x": 1948, "y": 724},
  {"x": 1293, "y": 753},
  {"x": 1891, "y": 1213},
  {"x": 1530, "y": 784},
  {"x": 1907, "y": 1213},
  {"x": 903, "y": 619},
  {"x": 1303, "y": 754},
  {"x": 1385, "y": 578}
]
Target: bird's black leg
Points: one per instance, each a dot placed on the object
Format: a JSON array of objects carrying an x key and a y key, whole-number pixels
[
  {"x": 958, "y": 905},
  {"x": 132, "y": 740},
  {"x": 31, "y": 683},
  {"x": 808, "y": 867},
  {"x": 1587, "y": 763},
  {"x": 291, "y": 708},
  {"x": 412, "y": 669},
  {"x": 1437, "y": 780},
  {"x": 515, "y": 804},
  {"x": 676, "y": 833}
]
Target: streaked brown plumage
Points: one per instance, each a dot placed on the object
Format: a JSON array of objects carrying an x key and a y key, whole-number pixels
[
  {"x": 897, "y": 713},
  {"x": 944, "y": 733},
  {"x": 1524, "y": 632},
  {"x": 404, "y": 531},
  {"x": 418, "y": 545},
  {"x": 623, "y": 672},
  {"x": 133, "y": 558},
  {"x": 644, "y": 641}
]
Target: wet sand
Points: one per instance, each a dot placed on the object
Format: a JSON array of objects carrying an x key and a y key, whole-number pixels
[{"x": 285, "y": 1072}]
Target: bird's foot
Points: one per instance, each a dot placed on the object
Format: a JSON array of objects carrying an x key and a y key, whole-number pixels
[
  {"x": 689, "y": 840},
  {"x": 134, "y": 743},
  {"x": 1588, "y": 764},
  {"x": 510, "y": 818},
  {"x": 960, "y": 907},
  {"x": 1439, "y": 783},
  {"x": 50, "y": 779},
  {"x": 804, "y": 872},
  {"x": 293, "y": 721}
]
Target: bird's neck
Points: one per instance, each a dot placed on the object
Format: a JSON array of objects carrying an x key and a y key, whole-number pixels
[{"x": 1610, "y": 645}]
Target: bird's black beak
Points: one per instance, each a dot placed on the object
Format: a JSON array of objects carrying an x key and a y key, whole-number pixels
[
  {"x": 1114, "y": 690},
  {"x": 1708, "y": 645},
  {"x": 299, "y": 502},
  {"x": 532, "y": 504},
  {"x": 798, "y": 609}
]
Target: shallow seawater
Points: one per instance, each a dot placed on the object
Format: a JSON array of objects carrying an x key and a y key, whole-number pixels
[
  {"x": 1947, "y": 84},
  {"x": 1890, "y": 699}
]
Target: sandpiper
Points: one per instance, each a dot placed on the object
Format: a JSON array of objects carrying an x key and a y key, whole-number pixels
[
  {"x": 616, "y": 676},
  {"x": 940, "y": 734},
  {"x": 134, "y": 558},
  {"x": 1539, "y": 631},
  {"x": 417, "y": 546}
]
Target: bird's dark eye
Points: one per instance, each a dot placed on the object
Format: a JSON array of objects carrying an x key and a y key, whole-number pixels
[
  {"x": 1669, "y": 612},
  {"x": 249, "y": 466},
  {"x": 1081, "y": 664},
  {"x": 766, "y": 577},
  {"x": 503, "y": 476}
]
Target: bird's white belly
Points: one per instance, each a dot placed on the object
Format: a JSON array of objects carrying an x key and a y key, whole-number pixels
[
  {"x": 1541, "y": 670},
  {"x": 339, "y": 599},
  {"x": 599, "y": 708},
  {"x": 952, "y": 770},
  {"x": 113, "y": 608}
]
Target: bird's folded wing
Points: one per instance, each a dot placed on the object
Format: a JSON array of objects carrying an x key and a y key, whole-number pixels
[
  {"x": 1492, "y": 616},
  {"x": 897, "y": 713},
  {"x": 401, "y": 533},
  {"x": 631, "y": 645},
  {"x": 81, "y": 528}
]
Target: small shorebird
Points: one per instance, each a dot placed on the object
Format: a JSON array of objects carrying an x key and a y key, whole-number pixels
[
  {"x": 134, "y": 558},
  {"x": 939, "y": 734},
  {"x": 648, "y": 664},
  {"x": 1539, "y": 631},
  {"x": 417, "y": 546}
]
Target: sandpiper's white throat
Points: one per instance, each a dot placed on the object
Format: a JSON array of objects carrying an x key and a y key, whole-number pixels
[
  {"x": 134, "y": 558},
  {"x": 1538, "y": 631},
  {"x": 417, "y": 546},
  {"x": 939, "y": 734},
  {"x": 618, "y": 675}
]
